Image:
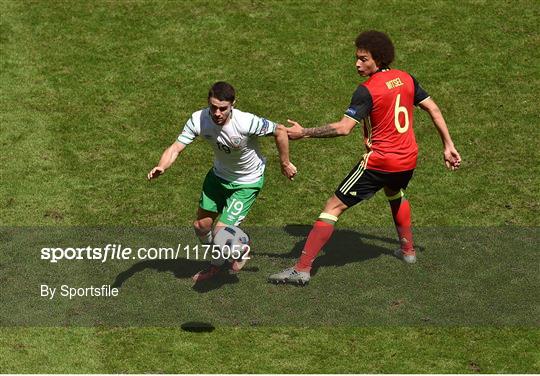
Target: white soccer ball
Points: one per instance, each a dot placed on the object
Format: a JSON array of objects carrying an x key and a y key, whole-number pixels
[{"x": 232, "y": 241}]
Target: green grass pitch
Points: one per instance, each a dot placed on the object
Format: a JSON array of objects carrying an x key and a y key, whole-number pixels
[{"x": 92, "y": 92}]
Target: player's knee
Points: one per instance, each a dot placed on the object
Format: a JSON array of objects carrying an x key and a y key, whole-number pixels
[
  {"x": 329, "y": 205},
  {"x": 202, "y": 226},
  {"x": 334, "y": 206}
]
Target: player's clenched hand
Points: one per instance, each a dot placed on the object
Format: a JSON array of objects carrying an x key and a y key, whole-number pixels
[
  {"x": 452, "y": 159},
  {"x": 296, "y": 131},
  {"x": 155, "y": 172},
  {"x": 289, "y": 170}
]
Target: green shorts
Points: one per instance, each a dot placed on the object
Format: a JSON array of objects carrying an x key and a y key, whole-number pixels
[{"x": 232, "y": 200}]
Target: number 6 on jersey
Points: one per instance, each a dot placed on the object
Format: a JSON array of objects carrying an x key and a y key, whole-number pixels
[{"x": 397, "y": 110}]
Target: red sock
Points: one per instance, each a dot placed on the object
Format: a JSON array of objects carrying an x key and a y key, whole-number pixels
[
  {"x": 401, "y": 211},
  {"x": 318, "y": 236}
]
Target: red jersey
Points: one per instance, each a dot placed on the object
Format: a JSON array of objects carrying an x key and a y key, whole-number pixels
[{"x": 385, "y": 103}]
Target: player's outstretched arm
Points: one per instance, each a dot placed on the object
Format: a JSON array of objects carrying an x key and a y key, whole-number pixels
[
  {"x": 282, "y": 143},
  {"x": 167, "y": 159},
  {"x": 340, "y": 128},
  {"x": 452, "y": 159}
]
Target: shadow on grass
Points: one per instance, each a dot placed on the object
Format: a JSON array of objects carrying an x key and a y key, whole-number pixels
[
  {"x": 197, "y": 327},
  {"x": 344, "y": 247},
  {"x": 181, "y": 268}
]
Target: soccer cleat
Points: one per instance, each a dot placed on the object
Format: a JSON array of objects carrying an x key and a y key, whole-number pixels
[
  {"x": 408, "y": 258},
  {"x": 290, "y": 275},
  {"x": 206, "y": 274}
]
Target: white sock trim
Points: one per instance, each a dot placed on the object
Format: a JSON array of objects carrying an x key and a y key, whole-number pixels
[{"x": 328, "y": 216}]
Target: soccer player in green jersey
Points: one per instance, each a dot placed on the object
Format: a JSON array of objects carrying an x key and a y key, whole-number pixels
[{"x": 233, "y": 183}]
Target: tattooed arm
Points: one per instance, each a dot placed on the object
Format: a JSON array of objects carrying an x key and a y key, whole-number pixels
[{"x": 341, "y": 128}]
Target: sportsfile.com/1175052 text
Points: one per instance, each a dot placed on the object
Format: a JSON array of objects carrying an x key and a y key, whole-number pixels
[{"x": 118, "y": 252}]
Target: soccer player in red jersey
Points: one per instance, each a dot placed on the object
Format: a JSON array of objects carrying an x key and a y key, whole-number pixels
[{"x": 384, "y": 104}]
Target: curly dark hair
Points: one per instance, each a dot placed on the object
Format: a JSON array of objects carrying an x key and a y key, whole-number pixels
[
  {"x": 223, "y": 91},
  {"x": 379, "y": 46}
]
